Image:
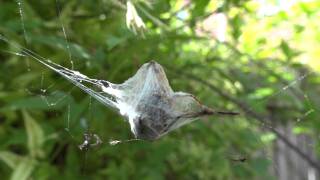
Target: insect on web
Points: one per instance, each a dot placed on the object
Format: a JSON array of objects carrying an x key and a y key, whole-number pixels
[{"x": 107, "y": 94}]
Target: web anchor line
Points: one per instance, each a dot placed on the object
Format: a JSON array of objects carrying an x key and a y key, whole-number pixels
[{"x": 64, "y": 34}]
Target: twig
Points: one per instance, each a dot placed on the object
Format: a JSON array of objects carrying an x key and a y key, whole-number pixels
[{"x": 247, "y": 110}]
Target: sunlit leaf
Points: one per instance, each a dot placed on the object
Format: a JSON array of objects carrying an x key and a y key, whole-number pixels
[
  {"x": 10, "y": 158},
  {"x": 41, "y": 102},
  {"x": 35, "y": 135},
  {"x": 268, "y": 137},
  {"x": 75, "y": 49},
  {"x": 24, "y": 169}
]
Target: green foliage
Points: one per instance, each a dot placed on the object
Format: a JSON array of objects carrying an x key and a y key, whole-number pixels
[{"x": 260, "y": 64}]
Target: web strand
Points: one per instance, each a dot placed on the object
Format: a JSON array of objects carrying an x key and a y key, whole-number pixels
[
  {"x": 74, "y": 77},
  {"x": 26, "y": 39},
  {"x": 77, "y": 79},
  {"x": 64, "y": 33}
]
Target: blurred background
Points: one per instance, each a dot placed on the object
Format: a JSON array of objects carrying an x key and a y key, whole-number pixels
[{"x": 256, "y": 57}]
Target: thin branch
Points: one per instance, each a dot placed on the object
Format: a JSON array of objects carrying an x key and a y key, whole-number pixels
[
  {"x": 247, "y": 110},
  {"x": 257, "y": 62}
]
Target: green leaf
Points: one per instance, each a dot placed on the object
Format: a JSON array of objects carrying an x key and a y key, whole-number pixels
[
  {"x": 24, "y": 169},
  {"x": 35, "y": 135},
  {"x": 24, "y": 79},
  {"x": 10, "y": 158},
  {"x": 236, "y": 26},
  {"x": 75, "y": 49},
  {"x": 288, "y": 51},
  {"x": 268, "y": 137},
  {"x": 199, "y": 8},
  {"x": 285, "y": 49},
  {"x": 262, "y": 93},
  {"x": 301, "y": 130},
  {"x": 113, "y": 41},
  {"x": 51, "y": 102}
]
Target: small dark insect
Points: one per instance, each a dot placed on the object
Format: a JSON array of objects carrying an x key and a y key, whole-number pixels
[{"x": 241, "y": 159}]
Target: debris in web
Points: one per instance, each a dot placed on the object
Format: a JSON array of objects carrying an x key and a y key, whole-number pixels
[
  {"x": 133, "y": 20},
  {"x": 116, "y": 142},
  {"x": 90, "y": 140},
  {"x": 146, "y": 100}
]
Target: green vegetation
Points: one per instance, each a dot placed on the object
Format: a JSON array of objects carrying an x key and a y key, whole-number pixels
[{"x": 233, "y": 55}]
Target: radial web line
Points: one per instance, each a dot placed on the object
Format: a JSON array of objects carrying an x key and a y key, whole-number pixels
[
  {"x": 64, "y": 33},
  {"x": 74, "y": 77},
  {"x": 26, "y": 39}
]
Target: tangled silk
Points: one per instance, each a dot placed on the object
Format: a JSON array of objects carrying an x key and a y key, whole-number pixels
[{"x": 146, "y": 100}]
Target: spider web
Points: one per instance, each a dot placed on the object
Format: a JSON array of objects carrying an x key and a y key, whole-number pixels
[{"x": 106, "y": 93}]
